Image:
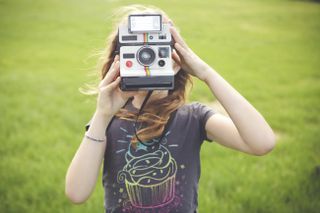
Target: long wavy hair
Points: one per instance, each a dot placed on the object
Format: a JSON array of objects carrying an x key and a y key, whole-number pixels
[{"x": 157, "y": 111}]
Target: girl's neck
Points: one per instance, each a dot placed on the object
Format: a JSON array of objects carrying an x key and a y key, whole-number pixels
[{"x": 139, "y": 97}]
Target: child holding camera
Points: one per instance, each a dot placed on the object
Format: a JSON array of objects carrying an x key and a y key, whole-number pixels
[{"x": 156, "y": 167}]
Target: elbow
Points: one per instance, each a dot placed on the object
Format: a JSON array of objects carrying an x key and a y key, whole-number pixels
[
  {"x": 74, "y": 197},
  {"x": 263, "y": 151},
  {"x": 267, "y": 145}
]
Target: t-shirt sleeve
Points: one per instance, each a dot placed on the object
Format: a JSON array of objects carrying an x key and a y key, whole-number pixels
[{"x": 203, "y": 113}]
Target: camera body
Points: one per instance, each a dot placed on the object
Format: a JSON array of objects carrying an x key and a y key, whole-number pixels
[{"x": 145, "y": 48}]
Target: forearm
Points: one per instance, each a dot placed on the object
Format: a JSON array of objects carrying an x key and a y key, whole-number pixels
[
  {"x": 84, "y": 169},
  {"x": 251, "y": 125}
]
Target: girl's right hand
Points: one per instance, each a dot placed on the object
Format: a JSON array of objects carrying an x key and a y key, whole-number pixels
[{"x": 111, "y": 98}]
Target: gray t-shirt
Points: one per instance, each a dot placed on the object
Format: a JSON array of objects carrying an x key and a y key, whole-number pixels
[{"x": 159, "y": 179}]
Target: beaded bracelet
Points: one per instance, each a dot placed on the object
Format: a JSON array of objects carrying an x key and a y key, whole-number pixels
[{"x": 93, "y": 139}]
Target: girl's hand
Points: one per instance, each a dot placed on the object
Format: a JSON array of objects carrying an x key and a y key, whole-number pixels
[
  {"x": 186, "y": 58},
  {"x": 111, "y": 98}
]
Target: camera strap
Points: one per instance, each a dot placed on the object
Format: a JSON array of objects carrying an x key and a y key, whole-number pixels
[{"x": 172, "y": 115}]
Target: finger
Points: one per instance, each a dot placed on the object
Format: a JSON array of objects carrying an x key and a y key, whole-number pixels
[
  {"x": 115, "y": 59},
  {"x": 176, "y": 70},
  {"x": 168, "y": 21},
  {"x": 176, "y": 67},
  {"x": 177, "y": 37},
  {"x": 182, "y": 52},
  {"x": 103, "y": 83},
  {"x": 114, "y": 84},
  {"x": 171, "y": 22},
  {"x": 117, "y": 72},
  {"x": 111, "y": 74},
  {"x": 176, "y": 57}
]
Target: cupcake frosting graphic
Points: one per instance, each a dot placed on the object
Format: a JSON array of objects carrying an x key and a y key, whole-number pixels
[{"x": 149, "y": 176}]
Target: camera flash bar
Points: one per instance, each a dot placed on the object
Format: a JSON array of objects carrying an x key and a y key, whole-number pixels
[{"x": 145, "y": 23}]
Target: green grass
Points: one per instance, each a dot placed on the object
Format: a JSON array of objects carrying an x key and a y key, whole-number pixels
[{"x": 268, "y": 50}]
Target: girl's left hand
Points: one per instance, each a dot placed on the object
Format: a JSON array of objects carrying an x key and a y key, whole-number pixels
[{"x": 186, "y": 58}]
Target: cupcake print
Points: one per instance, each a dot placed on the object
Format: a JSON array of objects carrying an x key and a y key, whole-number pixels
[{"x": 149, "y": 176}]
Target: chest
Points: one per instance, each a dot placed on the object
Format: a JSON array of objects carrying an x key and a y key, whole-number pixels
[
  {"x": 159, "y": 175},
  {"x": 181, "y": 140}
]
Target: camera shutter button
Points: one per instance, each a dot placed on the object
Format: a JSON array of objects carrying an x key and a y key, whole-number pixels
[{"x": 129, "y": 64}]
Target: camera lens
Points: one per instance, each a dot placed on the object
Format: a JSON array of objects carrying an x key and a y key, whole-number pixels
[{"x": 146, "y": 56}]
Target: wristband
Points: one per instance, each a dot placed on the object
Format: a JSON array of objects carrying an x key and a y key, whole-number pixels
[{"x": 94, "y": 139}]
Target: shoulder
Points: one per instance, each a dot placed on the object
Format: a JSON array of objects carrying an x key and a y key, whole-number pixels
[
  {"x": 195, "y": 107},
  {"x": 196, "y": 111},
  {"x": 189, "y": 106},
  {"x": 194, "y": 116}
]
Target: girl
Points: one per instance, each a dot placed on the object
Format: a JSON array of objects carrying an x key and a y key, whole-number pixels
[{"x": 156, "y": 167}]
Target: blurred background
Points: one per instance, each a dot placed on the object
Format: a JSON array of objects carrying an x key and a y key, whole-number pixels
[{"x": 268, "y": 50}]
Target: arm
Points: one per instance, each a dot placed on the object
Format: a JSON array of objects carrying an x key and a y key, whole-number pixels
[
  {"x": 246, "y": 130},
  {"x": 84, "y": 169}
]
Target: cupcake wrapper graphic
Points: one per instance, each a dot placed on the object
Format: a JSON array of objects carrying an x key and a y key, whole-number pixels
[{"x": 151, "y": 196}]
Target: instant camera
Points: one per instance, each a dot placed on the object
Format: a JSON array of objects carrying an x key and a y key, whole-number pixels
[{"x": 145, "y": 47}]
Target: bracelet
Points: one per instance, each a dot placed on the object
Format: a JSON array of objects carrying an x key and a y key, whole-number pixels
[{"x": 94, "y": 139}]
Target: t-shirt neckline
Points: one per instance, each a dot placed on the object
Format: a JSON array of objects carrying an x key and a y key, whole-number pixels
[{"x": 130, "y": 105}]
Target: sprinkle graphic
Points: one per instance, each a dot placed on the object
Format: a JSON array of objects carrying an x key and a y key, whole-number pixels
[
  {"x": 122, "y": 141},
  {"x": 123, "y": 129},
  {"x": 121, "y": 150}
]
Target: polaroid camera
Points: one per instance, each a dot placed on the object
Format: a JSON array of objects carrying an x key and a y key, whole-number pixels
[{"x": 145, "y": 47}]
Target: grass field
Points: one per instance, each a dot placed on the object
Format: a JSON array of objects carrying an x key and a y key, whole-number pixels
[{"x": 268, "y": 50}]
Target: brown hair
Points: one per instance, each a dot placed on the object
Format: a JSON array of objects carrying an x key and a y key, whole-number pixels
[{"x": 157, "y": 111}]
